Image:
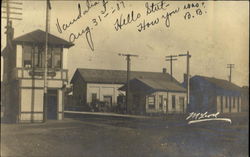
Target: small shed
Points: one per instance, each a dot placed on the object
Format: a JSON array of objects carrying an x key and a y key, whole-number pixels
[{"x": 152, "y": 95}]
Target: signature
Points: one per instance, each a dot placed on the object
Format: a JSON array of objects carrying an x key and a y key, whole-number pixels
[{"x": 202, "y": 117}]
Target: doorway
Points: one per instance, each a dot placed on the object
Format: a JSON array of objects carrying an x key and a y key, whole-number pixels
[
  {"x": 108, "y": 100},
  {"x": 52, "y": 104},
  {"x": 182, "y": 99}
]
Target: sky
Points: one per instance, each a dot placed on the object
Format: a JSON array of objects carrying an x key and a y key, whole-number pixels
[{"x": 216, "y": 34}]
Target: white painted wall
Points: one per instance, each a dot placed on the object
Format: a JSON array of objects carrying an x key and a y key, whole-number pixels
[
  {"x": 25, "y": 100},
  {"x": 168, "y": 96},
  {"x": 25, "y": 117},
  {"x": 19, "y": 54},
  {"x": 38, "y": 100},
  {"x": 40, "y": 83},
  {"x": 102, "y": 90},
  {"x": 234, "y": 108},
  {"x": 59, "y": 99}
]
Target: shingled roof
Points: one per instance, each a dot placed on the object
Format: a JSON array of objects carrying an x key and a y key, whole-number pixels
[
  {"x": 224, "y": 84},
  {"x": 153, "y": 84},
  {"x": 116, "y": 76},
  {"x": 38, "y": 36}
]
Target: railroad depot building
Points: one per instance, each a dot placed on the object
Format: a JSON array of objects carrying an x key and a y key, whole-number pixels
[
  {"x": 156, "y": 95},
  {"x": 214, "y": 95},
  {"x": 90, "y": 85},
  {"x": 23, "y": 77}
]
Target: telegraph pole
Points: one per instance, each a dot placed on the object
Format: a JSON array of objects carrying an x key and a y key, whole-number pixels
[
  {"x": 128, "y": 75},
  {"x": 188, "y": 75},
  {"x": 45, "y": 96},
  {"x": 171, "y": 58},
  {"x": 230, "y": 66},
  {"x": 8, "y": 9}
]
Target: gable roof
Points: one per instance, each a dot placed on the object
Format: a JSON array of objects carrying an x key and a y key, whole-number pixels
[
  {"x": 154, "y": 84},
  {"x": 116, "y": 76},
  {"x": 224, "y": 84},
  {"x": 38, "y": 36}
]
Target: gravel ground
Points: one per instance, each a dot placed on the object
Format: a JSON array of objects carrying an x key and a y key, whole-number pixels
[{"x": 121, "y": 137}]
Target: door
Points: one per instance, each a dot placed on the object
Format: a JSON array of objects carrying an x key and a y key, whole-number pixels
[
  {"x": 52, "y": 104},
  {"x": 182, "y": 104},
  {"x": 108, "y": 100}
]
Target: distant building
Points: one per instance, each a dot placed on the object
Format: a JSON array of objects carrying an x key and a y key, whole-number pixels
[
  {"x": 156, "y": 95},
  {"x": 23, "y": 77},
  {"x": 90, "y": 85},
  {"x": 245, "y": 99},
  {"x": 214, "y": 95}
]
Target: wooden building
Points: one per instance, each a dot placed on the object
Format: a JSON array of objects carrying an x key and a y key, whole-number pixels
[
  {"x": 23, "y": 77},
  {"x": 156, "y": 95},
  {"x": 214, "y": 95},
  {"x": 90, "y": 85},
  {"x": 245, "y": 99}
]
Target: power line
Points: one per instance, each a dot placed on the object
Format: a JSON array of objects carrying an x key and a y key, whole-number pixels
[
  {"x": 171, "y": 58},
  {"x": 17, "y": 8},
  {"x": 12, "y": 18},
  {"x": 128, "y": 75},
  {"x": 13, "y": 13},
  {"x": 11, "y": 2}
]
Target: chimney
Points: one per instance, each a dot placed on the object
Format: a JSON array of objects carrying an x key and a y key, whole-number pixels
[
  {"x": 184, "y": 77},
  {"x": 164, "y": 70}
]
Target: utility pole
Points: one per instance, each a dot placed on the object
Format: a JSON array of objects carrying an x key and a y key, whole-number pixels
[
  {"x": 128, "y": 75},
  {"x": 7, "y": 9},
  {"x": 188, "y": 75},
  {"x": 230, "y": 66},
  {"x": 45, "y": 96},
  {"x": 171, "y": 58}
]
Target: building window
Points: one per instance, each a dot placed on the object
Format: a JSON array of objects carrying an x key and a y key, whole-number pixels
[
  {"x": 54, "y": 56},
  {"x": 108, "y": 100},
  {"x": 38, "y": 56},
  {"x": 27, "y": 56},
  {"x": 151, "y": 102},
  {"x": 57, "y": 62},
  {"x": 94, "y": 97},
  {"x": 49, "y": 58},
  {"x": 160, "y": 101},
  {"x": 173, "y": 101}
]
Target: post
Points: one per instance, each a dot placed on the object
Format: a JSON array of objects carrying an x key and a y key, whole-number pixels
[
  {"x": 128, "y": 78},
  {"x": 230, "y": 66},
  {"x": 45, "y": 65},
  {"x": 171, "y": 68},
  {"x": 171, "y": 58},
  {"x": 230, "y": 75},
  {"x": 188, "y": 78}
]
